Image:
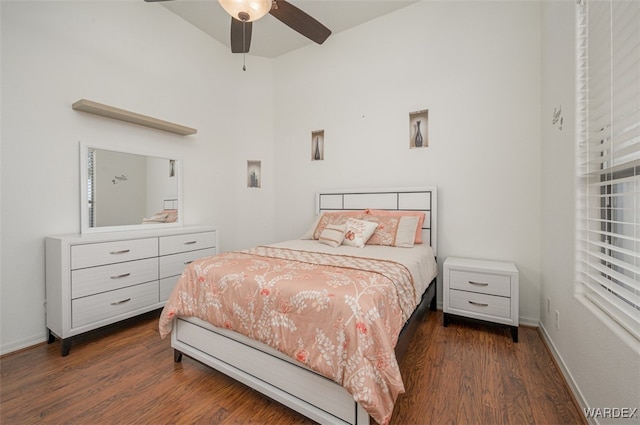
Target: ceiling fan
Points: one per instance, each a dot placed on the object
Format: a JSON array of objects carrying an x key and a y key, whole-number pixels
[{"x": 244, "y": 12}]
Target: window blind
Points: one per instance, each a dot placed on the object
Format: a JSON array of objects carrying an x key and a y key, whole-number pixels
[{"x": 608, "y": 208}]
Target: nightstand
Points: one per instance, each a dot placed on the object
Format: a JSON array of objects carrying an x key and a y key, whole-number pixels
[{"x": 483, "y": 290}]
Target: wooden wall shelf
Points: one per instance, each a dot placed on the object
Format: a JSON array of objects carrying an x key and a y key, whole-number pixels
[{"x": 96, "y": 108}]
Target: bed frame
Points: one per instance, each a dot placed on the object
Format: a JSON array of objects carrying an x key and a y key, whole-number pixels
[{"x": 276, "y": 375}]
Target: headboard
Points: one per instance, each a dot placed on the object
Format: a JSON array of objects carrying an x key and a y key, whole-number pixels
[{"x": 424, "y": 199}]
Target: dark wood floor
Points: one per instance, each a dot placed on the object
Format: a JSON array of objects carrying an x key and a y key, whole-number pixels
[{"x": 463, "y": 374}]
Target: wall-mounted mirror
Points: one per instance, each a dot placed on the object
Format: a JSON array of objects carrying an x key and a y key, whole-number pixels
[{"x": 128, "y": 190}]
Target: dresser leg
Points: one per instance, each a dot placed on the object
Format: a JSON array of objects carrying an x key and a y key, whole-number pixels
[
  {"x": 65, "y": 346},
  {"x": 177, "y": 356},
  {"x": 514, "y": 333},
  {"x": 446, "y": 320},
  {"x": 51, "y": 339}
]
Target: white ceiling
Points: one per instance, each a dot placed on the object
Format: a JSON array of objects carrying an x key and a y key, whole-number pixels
[{"x": 271, "y": 38}]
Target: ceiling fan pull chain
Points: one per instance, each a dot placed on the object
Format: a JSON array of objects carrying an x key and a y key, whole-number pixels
[
  {"x": 244, "y": 45},
  {"x": 244, "y": 54}
]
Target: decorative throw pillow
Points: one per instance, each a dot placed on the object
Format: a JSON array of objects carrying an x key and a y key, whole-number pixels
[
  {"x": 332, "y": 235},
  {"x": 172, "y": 215},
  {"x": 358, "y": 232},
  {"x": 156, "y": 218},
  {"x": 394, "y": 231},
  {"x": 408, "y": 227},
  {"x": 329, "y": 217},
  {"x": 419, "y": 214}
]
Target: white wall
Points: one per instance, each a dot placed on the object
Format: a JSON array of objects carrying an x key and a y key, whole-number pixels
[
  {"x": 476, "y": 67},
  {"x": 601, "y": 361},
  {"x": 136, "y": 56}
]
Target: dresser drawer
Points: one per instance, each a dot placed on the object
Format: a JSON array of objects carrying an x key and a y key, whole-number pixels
[
  {"x": 110, "y": 304},
  {"x": 94, "y": 280},
  {"x": 187, "y": 242},
  {"x": 489, "y": 305},
  {"x": 481, "y": 282},
  {"x": 173, "y": 265},
  {"x": 166, "y": 287},
  {"x": 98, "y": 254}
]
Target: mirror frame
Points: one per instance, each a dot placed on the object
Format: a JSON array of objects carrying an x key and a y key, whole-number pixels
[{"x": 84, "y": 207}]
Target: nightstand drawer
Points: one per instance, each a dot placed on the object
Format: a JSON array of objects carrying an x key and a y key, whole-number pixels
[
  {"x": 484, "y": 283},
  {"x": 489, "y": 305}
]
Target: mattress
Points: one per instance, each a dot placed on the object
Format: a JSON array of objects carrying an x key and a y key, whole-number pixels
[{"x": 419, "y": 259}]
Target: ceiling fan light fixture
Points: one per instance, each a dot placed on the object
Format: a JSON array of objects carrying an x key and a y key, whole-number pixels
[{"x": 240, "y": 9}]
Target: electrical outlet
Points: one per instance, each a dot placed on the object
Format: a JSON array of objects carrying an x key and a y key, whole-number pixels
[
  {"x": 548, "y": 305},
  {"x": 557, "y": 319}
]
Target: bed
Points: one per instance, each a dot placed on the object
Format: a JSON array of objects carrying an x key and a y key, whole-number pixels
[{"x": 334, "y": 363}]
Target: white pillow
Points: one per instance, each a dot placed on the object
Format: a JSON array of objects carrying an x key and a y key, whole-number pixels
[
  {"x": 406, "y": 232},
  {"x": 332, "y": 235},
  {"x": 357, "y": 232}
]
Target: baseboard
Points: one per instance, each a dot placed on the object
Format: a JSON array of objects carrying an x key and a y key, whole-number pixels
[
  {"x": 566, "y": 374},
  {"x": 22, "y": 344},
  {"x": 527, "y": 321}
]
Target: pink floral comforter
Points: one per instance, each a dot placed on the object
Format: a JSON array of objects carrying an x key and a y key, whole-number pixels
[{"x": 339, "y": 315}]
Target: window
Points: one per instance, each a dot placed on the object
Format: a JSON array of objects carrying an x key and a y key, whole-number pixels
[{"x": 608, "y": 247}]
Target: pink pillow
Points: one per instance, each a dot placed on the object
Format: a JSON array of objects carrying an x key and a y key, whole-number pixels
[
  {"x": 393, "y": 231},
  {"x": 419, "y": 214}
]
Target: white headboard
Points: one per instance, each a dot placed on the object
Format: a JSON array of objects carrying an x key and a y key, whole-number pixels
[{"x": 424, "y": 199}]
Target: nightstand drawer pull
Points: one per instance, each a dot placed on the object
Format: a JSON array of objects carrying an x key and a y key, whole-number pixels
[
  {"x": 190, "y": 242},
  {"x": 188, "y": 262},
  {"x": 478, "y": 283},
  {"x": 479, "y": 304},
  {"x": 121, "y": 302},
  {"x": 120, "y": 276},
  {"x": 124, "y": 251}
]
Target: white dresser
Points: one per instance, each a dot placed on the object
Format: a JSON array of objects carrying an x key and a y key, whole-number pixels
[
  {"x": 483, "y": 290},
  {"x": 93, "y": 280}
]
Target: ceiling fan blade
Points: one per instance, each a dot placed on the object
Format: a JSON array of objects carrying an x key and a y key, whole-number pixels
[
  {"x": 299, "y": 21},
  {"x": 240, "y": 36}
]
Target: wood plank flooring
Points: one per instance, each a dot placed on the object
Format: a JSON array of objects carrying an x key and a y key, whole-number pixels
[{"x": 466, "y": 373}]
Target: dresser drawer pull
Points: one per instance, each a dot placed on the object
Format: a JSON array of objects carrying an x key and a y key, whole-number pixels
[
  {"x": 121, "y": 302},
  {"x": 478, "y": 283},
  {"x": 188, "y": 262},
  {"x": 190, "y": 242},
  {"x": 479, "y": 304},
  {"x": 124, "y": 251},
  {"x": 120, "y": 276}
]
